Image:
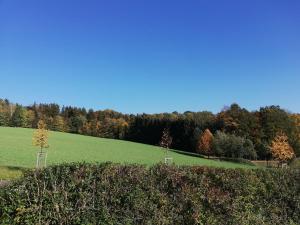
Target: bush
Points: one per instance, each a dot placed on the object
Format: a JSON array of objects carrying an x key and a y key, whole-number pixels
[
  {"x": 229, "y": 145},
  {"x": 129, "y": 194}
]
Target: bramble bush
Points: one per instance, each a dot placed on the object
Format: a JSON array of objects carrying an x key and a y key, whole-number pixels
[{"x": 130, "y": 194}]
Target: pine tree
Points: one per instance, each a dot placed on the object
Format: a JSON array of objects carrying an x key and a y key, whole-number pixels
[{"x": 19, "y": 117}]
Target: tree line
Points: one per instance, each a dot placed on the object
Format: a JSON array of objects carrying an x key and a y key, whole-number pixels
[{"x": 237, "y": 132}]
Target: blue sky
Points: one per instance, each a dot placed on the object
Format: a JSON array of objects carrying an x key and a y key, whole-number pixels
[{"x": 151, "y": 56}]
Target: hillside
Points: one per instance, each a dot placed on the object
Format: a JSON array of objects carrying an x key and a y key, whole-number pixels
[{"x": 16, "y": 150}]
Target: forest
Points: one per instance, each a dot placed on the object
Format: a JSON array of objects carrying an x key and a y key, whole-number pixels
[{"x": 237, "y": 132}]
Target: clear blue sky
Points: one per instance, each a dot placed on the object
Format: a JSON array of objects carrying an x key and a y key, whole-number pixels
[{"x": 151, "y": 56}]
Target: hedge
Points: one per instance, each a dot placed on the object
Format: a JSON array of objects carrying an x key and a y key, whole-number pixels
[{"x": 131, "y": 194}]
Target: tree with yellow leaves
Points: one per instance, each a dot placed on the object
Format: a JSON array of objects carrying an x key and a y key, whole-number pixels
[
  {"x": 40, "y": 136},
  {"x": 281, "y": 149},
  {"x": 205, "y": 143}
]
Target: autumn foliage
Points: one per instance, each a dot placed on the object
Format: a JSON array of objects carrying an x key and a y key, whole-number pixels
[
  {"x": 166, "y": 139},
  {"x": 205, "y": 143},
  {"x": 40, "y": 136},
  {"x": 281, "y": 149}
]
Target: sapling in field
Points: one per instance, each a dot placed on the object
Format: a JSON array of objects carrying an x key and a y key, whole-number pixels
[
  {"x": 165, "y": 143},
  {"x": 40, "y": 139}
]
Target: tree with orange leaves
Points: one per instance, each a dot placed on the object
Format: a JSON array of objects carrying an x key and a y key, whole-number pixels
[
  {"x": 205, "y": 143},
  {"x": 281, "y": 149}
]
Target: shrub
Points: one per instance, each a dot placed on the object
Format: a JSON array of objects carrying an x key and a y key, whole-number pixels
[
  {"x": 129, "y": 194},
  {"x": 229, "y": 145}
]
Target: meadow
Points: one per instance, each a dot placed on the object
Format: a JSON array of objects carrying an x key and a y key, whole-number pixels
[{"x": 16, "y": 150}]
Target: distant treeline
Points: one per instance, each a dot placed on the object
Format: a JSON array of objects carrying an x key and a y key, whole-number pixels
[{"x": 257, "y": 128}]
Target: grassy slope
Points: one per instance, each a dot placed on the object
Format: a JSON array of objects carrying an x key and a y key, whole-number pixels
[{"x": 16, "y": 150}]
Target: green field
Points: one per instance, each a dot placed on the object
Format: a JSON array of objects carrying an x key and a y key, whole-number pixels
[{"x": 16, "y": 150}]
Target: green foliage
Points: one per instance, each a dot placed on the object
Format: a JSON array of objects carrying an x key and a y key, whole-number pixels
[
  {"x": 240, "y": 122},
  {"x": 5, "y": 111},
  {"x": 229, "y": 145},
  {"x": 124, "y": 194},
  {"x": 18, "y": 118},
  {"x": 274, "y": 120}
]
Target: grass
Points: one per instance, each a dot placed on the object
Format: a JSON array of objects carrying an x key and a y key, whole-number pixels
[
  {"x": 7, "y": 172},
  {"x": 16, "y": 150},
  {"x": 295, "y": 163}
]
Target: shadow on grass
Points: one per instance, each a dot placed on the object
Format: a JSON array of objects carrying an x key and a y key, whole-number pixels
[
  {"x": 8, "y": 173},
  {"x": 13, "y": 168},
  {"x": 196, "y": 155},
  {"x": 222, "y": 159}
]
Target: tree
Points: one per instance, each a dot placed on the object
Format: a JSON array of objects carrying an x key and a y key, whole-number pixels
[
  {"x": 281, "y": 149},
  {"x": 296, "y": 145},
  {"x": 275, "y": 120},
  {"x": 19, "y": 117},
  {"x": 240, "y": 122},
  {"x": 30, "y": 118},
  {"x": 76, "y": 123},
  {"x": 58, "y": 124},
  {"x": 40, "y": 137},
  {"x": 5, "y": 112},
  {"x": 166, "y": 140},
  {"x": 4, "y": 117},
  {"x": 229, "y": 145},
  {"x": 205, "y": 143}
]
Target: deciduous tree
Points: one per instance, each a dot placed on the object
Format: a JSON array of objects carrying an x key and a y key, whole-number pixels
[
  {"x": 166, "y": 140},
  {"x": 40, "y": 136},
  {"x": 205, "y": 143},
  {"x": 281, "y": 149},
  {"x": 229, "y": 145}
]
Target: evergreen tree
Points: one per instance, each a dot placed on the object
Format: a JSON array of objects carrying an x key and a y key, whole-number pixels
[{"x": 19, "y": 117}]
